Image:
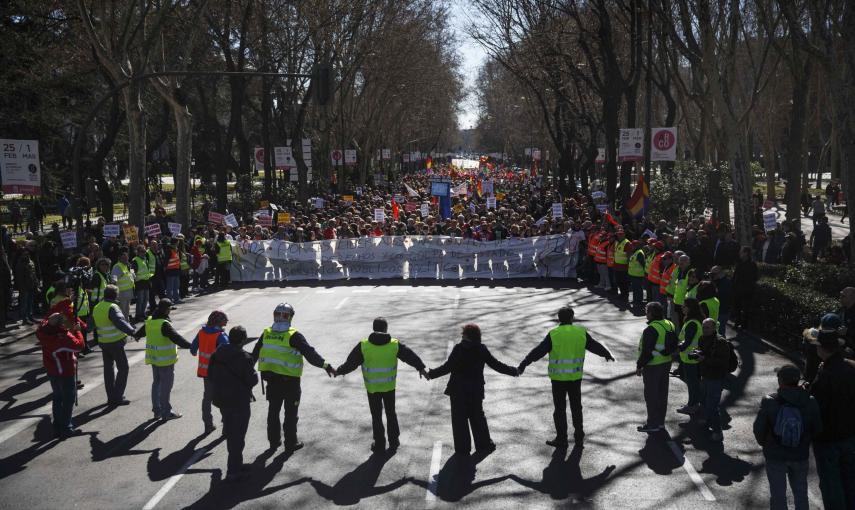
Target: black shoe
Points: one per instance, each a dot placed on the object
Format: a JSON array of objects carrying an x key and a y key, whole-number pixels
[
  {"x": 120, "y": 402},
  {"x": 579, "y": 438},
  {"x": 70, "y": 433},
  {"x": 557, "y": 443},
  {"x": 378, "y": 447},
  {"x": 274, "y": 445},
  {"x": 486, "y": 450},
  {"x": 80, "y": 385},
  {"x": 393, "y": 445},
  {"x": 171, "y": 415},
  {"x": 210, "y": 427},
  {"x": 293, "y": 447}
]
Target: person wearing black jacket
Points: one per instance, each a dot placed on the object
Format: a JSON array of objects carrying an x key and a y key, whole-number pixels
[
  {"x": 232, "y": 376},
  {"x": 566, "y": 341},
  {"x": 745, "y": 277},
  {"x": 466, "y": 389},
  {"x": 784, "y": 461},
  {"x": 834, "y": 448},
  {"x": 378, "y": 355},
  {"x": 654, "y": 365}
]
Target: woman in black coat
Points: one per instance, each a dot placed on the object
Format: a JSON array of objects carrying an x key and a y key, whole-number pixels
[{"x": 466, "y": 389}]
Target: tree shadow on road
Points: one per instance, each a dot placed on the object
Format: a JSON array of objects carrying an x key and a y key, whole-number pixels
[
  {"x": 563, "y": 477},
  {"x": 360, "y": 483}
]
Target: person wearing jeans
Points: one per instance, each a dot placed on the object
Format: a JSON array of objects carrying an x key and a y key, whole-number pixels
[
  {"x": 784, "y": 460},
  {"x": 60, "y": 345}
]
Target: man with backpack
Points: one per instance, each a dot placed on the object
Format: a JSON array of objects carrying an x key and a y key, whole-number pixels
[
  {"x": 658, "y": 341},
  {"x": 714, "y": 354},
  {"x": 785, "y": 426}
]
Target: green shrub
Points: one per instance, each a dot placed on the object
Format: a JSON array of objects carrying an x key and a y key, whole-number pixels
[
  {"x": 821, "y": 278},
  {"x": 783, "y": 311}
]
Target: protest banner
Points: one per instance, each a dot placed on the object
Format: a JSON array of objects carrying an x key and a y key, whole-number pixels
[
  {"x": 491, "y": 202},
  {"x": 557, "y": 210},
  {"x": 770, "y": 221},
  {"x": 264, "y": 220},
  {"x": 347, "y": 198},
  {"x": 379, "y": 215},
  {"x": 112, "y": 230},
  {"x": 425, "y": 210},
  {"x": 230, "y": 220},
  {"x": 152, "y": 230},
  {"x": 69, "y": 239},
  {"x": 131, "y": 235},
  {"x": 174, "y": 228},
  {"x": 215, "y": 218},
  {"x": 283, "y": 218}
]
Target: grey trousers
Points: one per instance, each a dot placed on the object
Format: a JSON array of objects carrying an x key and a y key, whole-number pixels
[
  {"x": 656, "y": 380},
  {"x": 161, "y": 387},
  {"x": 114, "y": 355},
  {"x": 207, "y": 396}
]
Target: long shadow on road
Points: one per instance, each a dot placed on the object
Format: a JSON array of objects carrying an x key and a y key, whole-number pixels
[
  {"x": 359, "y": 483},
  {"x": 563, "y": 477},
  {"x": 456, "y": 479}
]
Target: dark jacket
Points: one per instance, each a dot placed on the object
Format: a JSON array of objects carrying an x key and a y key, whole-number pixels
[
  {"x": 716, "y": 357},
  {"x": 745, "y": 277},
  {"x": 724, "y": 289},
  {"x": 232, "y": 374},
  {"x": 355, "y": 359},
  {"x": 764, "y": 424},
  {"x": 466, "y": 366},
  {"x": 834, "y": 389}
]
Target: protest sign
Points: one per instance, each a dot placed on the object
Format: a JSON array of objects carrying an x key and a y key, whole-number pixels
[
  {"x": 152, "y": 230},
  {"x": 557, "y": 210},
  {"x": 770, "y": 221},
  {"x": 215, "y": 218},
  {"x": 491, "y": 202},
  {"x": 69, "y": 239},
  {"x": 230, "y": 220},
  {"x": 131, "y": 234},
  {"x": 112, "y": 230},
  {"x": 379, "y": 215},
  {"x": 174, "y": 228},
  {"x": 283, "y": 218},
  {"x": 347, "y": 198},
  {"x": 425, "y": 210}
]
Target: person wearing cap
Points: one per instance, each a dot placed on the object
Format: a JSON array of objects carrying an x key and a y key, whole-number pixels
[
  {"x": 280, "y": 351},
  {"x": 204, "y": 344},
  {"x": 834, "y": 390},
  {"x": 637, "y": 276},
  {"x": 787, "y": 461},
  {"x": 60, "y": 344},
  {"x": 233, "y": 376},
  {"x": 566, "y": 345},
  {"x": 378, "y": 355},
  {"x": 829, "y": 326},
  {"x": 161, "y": 352}
]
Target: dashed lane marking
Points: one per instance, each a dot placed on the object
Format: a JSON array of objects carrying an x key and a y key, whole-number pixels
[
  {"x": 341, "y": 303},
  {"x": 175, "y": 478},
  {"x": 433, "y": 476}
]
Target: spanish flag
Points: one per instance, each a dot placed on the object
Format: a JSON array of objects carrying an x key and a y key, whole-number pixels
[
  {"x": 639, "y": 202},
  {"x": 429, "y": 163}
]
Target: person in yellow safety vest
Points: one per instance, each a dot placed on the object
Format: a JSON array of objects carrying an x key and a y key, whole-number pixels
[
  {"x": 378, "y": 355},
  {"x": 566, "y": 345},
  {"x": 112, "y": 328},
  {"x": 689, "y": 336},
  {"x": 657, "y": 342},
  {"x": 692, "y": 282},
  {"x": 637, "y": 274},
  {"x": 224, "y": 260},
  {"x": 681, "y": 286},
  {"x": 654, "y": 270},
  {"x": 161, "y": 352},
  {"x": 83, "y": 303},
  {"x": 465, "y": 390},
  {"x": 280, "y": 351},
  {"x": 621, "y": 259},
  {"x": 707, "y": 296},
  {"x": 142, "y": 277},
  {"x": 667, "y": 265},
  {"x": 100, "y": 280},
  {"x": 124, "y": 281}
]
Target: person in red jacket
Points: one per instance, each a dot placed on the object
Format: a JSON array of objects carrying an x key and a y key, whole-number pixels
[{"x": 60, "y": 345}]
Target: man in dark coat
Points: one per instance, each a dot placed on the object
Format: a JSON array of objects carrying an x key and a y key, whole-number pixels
[
  {"x": 233, "y": 377},
  {"x": 466, "y": 389}
]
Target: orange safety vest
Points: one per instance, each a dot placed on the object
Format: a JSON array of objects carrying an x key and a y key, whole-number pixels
[
  {"x": 593, "y": 241},
  {"x": 207, "y": 346},
  {"x": 600, "y": 255},
  {"x": 610, "y": 254},
  {"x": 653, "y": 273},
  {"x": 174, "y": 261},
  {"x": 666, "y": 279}
]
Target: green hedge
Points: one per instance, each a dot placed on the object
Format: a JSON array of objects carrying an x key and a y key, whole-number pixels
[{"x": 792, "y": 298}]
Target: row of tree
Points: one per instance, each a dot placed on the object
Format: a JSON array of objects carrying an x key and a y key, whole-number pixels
[
  {"x": 112, "y": 88},
  {"x": 757, "y": 80}
]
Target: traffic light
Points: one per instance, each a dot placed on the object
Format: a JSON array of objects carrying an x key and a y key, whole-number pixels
[{"x": 322, "y": 77}]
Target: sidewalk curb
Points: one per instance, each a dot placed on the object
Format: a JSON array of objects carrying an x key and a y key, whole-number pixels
[{"x": 793, "y": 356}]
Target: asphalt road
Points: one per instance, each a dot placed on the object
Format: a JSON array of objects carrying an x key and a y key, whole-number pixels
[{"x": 125, "y": 460}]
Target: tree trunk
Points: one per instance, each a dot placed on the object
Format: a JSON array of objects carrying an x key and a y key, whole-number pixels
[
  {"x": 610, "y": 122},
  {"x": 796, "y": 142},
  {"x": 132, "y": 98},
  {"x": 184, "y": 157}
]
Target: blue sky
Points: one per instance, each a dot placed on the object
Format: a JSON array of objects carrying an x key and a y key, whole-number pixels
[{"x": 473, "y": 55}]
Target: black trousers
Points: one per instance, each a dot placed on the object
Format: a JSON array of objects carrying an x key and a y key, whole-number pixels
[
  {"x": 223, "y": 273},
  {"x": 283, "y": 392},
  {"x": 655, "y": 379},
  {"x": 235, "y": 424},
  {"x": 377, "y": 402},
  {"x": 561, "y": 391},
  {"x": 467, "y": 413}
]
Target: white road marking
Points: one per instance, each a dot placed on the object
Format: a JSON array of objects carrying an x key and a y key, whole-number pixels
[
  {"x": 433, "y": 476},
  {"x": 361, "y": 291},
  {"x": 690, "y": 470},
  {"x": 35, "y": 417},
  {"x": 288, "y": 292},
  {"x": 326, "y": 291},
  {"x": 343, "y": 301},
  {"x": 457, "y": 301},
  {"x": 175, "y": 478},
  {"x": 398, "y": 289}
]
